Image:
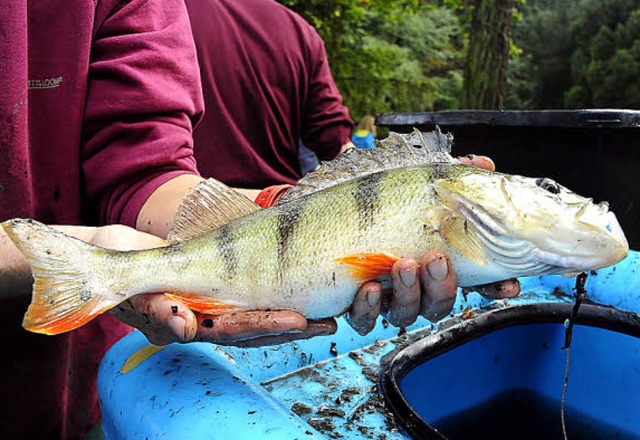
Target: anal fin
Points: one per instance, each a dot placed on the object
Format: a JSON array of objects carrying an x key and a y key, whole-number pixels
[{"x": 208, "y": 306}]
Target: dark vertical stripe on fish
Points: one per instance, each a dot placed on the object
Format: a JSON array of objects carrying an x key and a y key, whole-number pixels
[
  {"x": 227, "y": 250},
  {"x": 288, "y": 215},
  {"x": 368, "y": 200}
]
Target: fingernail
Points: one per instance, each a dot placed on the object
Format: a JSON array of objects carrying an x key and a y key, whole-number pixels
[
  {"x": 177, "y": 324},
  {"x": 409, "y": 276},
  {"x": 373, "y": 297},
  {"x": 438, "y": 269},
  {"x": 326, "y": 332},
  {"x": 487, "y": 158}
]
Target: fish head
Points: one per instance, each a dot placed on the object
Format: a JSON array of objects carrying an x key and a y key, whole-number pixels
[{"x": 536, "y": 220}]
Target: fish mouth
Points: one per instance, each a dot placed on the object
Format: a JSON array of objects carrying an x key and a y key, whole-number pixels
[
  {"x": 599, "y": 217},
  {"x": 598, "y": 240},
  {"x": 605, "y": 222}
]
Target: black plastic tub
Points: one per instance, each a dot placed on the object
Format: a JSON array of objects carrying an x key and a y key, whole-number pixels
[
  {"x": 501, "y": 376},
  {"x": 595, "y": 152}
]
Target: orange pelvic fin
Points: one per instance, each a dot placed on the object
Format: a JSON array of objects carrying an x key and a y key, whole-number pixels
[
  {"x": 206, "y": 305},
  {"x": 369, "y": 266}
]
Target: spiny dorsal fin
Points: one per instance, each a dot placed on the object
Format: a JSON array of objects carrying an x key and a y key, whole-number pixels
[
  {"x": 209, "y": 205},
  {"x": 396, "y": 151}
]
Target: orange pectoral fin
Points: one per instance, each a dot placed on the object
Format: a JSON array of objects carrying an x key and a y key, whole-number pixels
[
  {"x": 206, "y": 305},
  {"x": 369, "y": 266}
]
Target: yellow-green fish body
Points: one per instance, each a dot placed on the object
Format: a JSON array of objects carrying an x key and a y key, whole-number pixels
[{"x": 286, "y": 257}]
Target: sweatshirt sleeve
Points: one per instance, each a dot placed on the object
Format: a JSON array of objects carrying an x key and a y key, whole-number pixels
[
  {"x": 144, "y": 97},
  {"x": 327, "y": 124}
]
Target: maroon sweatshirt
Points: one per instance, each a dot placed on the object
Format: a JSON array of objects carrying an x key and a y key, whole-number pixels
[
  {"x": 266, "y": 84},
  {"x": 97, "y": 103}
]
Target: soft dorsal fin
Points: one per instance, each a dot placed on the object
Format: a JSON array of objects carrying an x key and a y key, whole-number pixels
[
  {"x": 396, "y": 151},
  {"x": 209, "y": 205}
]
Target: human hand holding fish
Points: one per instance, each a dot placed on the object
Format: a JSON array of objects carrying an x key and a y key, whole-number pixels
[{"x": 346, "y": 224}]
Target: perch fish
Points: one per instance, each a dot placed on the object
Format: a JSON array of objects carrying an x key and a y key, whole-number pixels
[{"x": 344, "y": 224}]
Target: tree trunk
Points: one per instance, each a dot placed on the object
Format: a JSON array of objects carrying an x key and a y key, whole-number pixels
[{"x": 485, "y": 75}]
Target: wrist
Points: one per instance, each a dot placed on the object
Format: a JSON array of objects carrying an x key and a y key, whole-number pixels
[{"x": 271, "y": 195}]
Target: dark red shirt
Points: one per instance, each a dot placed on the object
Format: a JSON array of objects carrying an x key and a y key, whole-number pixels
[
  {"x": 95, "y": 118},
  {"x": 267, "y": 84}
]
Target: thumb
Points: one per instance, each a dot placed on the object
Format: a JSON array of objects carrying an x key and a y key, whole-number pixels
[{"x": 163, "y": 320}]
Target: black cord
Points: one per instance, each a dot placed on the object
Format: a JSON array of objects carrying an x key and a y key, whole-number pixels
[{"x": 581, "y": 294}]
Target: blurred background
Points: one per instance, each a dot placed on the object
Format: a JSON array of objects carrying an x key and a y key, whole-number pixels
[{"x": 392, "y": 56}]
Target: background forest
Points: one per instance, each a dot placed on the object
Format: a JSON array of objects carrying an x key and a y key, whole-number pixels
[{"x": 410, "y": 56}]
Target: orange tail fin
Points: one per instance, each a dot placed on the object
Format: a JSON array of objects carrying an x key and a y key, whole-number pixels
[{"x": 66, "y": 290}]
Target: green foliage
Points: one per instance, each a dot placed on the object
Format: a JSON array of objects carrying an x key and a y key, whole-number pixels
[
  {"x": 541, "y": 73},
  {"x": 579, "y": 54},
  {"x": 390, "y": 56},
  {"x": 606, "y": 65},
  {"x": 409, "y": 55},
  {"x": 424, "y": 72}
]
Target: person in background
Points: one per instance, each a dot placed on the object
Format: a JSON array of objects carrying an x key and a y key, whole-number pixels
[
  {"x": 267, "y": 86},
  {"x": 308, "y": 160},
  {"x": 364, "y": 135}
]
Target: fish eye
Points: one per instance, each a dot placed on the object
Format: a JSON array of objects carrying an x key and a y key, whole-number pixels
[{"x": 548, "y": 185}]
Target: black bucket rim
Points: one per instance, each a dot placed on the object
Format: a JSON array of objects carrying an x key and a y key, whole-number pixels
[
  {"x": 576, "y": 118},
  {"x": 434, "y": 345}
]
